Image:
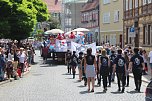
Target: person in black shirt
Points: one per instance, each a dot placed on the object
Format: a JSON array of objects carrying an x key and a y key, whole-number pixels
[
  {"x": 73, "y": 63},
  {"x": 98, "y": 72},
  {"x": 112, "y": 57},
  {"x": 137, "y": 64},
  {"x": 67, "y": 58},
  {"x": 90, "y": 68},
  {"x": 104, "y": 63},
  {"x": 120, "y": 68}
]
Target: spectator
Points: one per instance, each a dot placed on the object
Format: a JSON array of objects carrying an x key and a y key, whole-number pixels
[
  {"x": 145, "y": 57},
  {"x": 150, "y": 62},
  {"x": 22, "y": 58},
  {"x": 44, "y": 54},
  {"x": 2, "y": 65}
]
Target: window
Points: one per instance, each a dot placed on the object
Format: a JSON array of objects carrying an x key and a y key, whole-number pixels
[
  {"x": 144, "y": 34},
  {"x": 116, "y": 16},
  {"x": 144, "y": 2},
  {"x": 149, "y": 1},
  {"x": 147, "y": 35},
  {"x": 130, "y": 4},
  {"x": 136, "y": 3},
  {"x": 149, "y": 32},
  {"x": 127, "y": 30},
  {"x": 106, "y": 17},
  {"x": 126, "y": 5},
  {"x": 106, "y": 1}
]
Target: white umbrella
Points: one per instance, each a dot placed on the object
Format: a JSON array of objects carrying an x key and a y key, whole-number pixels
[
  {"x": 80, "y": 30},
  {"x": 67, "y": 33},
  {"x": 54, "y": 31}
]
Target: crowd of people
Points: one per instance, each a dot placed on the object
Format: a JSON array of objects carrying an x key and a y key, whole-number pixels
[
  {"x": 15, "y": 58},
  {"x": 108, "y": 62}
]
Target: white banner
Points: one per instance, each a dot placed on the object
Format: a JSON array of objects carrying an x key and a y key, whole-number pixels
[
  {"x": 83, "y": 48},
  {"x": 61, "y": 45}
]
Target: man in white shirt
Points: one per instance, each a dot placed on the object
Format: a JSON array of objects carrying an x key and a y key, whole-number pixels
[{"x": 150, "y": 62}]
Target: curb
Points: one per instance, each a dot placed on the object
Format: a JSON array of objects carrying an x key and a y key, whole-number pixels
[
  {"x": 142, "y": 79},
  {"x": 8, "y": 81}
]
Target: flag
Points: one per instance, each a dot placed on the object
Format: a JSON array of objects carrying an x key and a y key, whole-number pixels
[{"x": 83, "y": 48}]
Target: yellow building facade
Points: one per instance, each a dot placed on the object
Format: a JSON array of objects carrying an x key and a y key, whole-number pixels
[{"x": 111, "y": 21}]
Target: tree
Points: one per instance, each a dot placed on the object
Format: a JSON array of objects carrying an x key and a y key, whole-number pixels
[
  {"x": 5, "y": 11},
  {"x": 21, "y": 17},
  {"x": 42, "y": 11}
]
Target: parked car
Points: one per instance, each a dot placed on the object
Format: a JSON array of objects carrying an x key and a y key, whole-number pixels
[{"x": 148, "y": 92}]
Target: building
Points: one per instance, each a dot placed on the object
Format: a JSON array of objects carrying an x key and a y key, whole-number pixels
[
  {"x": 55, "y": 9},
  {"x": 111, "y": 23},
  {"x": 138, "y": 15},
  {"x": 90, "y": 20},
  {"x": 71, "y": 14}
]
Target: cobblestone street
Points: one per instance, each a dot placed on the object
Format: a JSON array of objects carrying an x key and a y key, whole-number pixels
[{"x": 52, "y": 83}]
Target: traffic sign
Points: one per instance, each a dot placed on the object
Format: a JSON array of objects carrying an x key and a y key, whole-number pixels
[{"x": 131, "y": 32}]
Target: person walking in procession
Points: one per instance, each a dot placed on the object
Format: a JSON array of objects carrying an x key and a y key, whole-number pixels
[
  {"x": 127, "y": 65},
  {"x": 79, "y": 61},
  {"x": 67, "y": 57},
  {"x": 98, "y": 72},
  {"x": 73, "y": 63},
  {"x": 137, "y": 65},
  {"x": 104, "y": 63},
  {"x": 83, "y": 71},
  {"x": 120, "y": 68},
  {"x": 90, "y": 68},
  {"x": 112, "y": 58}
]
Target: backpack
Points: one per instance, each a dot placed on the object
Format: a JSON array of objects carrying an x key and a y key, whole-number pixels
[
  {"x": 112, "y": 58},
  {"x": 79, "y": 60},
  {"x": 74, "y": 59}
]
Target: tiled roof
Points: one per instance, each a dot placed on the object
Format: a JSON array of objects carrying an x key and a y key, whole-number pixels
[
  {"x": 54, "y": 5},
  {"x": 90, "y": 6}
]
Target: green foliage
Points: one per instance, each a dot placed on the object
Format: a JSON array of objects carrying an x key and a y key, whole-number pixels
[
  {"x": 42, "y": 11},
  {"x": 19, "y": 17},
  {"x": 54, "y": 23}
]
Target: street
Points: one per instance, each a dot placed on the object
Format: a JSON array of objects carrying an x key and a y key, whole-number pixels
[{"x": 46, "y": 82}]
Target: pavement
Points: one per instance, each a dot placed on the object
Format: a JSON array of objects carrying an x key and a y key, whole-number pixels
[
  {"x": 50, "y": 82},
  {"x": 145, "y": 78}
]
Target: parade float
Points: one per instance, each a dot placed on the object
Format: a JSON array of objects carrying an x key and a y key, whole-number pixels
[{"x": 59, "y": 42}]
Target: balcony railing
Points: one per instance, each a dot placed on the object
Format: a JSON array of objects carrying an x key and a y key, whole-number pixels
[{"x": 147, "y": 9}]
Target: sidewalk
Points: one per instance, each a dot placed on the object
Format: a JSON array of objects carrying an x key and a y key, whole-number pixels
[
  {"x": 145, "y": 78},
  {"x": 12, "y": 79}
]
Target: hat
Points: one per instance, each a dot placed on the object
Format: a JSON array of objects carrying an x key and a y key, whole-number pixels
[{"x": 21, "y": 48}]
